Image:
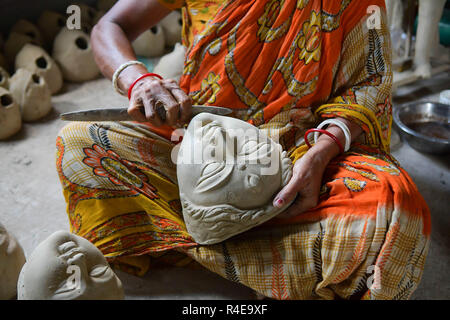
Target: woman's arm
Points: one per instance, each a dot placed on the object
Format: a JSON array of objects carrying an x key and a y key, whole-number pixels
[{"x": 111, "y": 42}]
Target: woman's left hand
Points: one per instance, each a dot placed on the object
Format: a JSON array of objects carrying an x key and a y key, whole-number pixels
[{"x": 304, "y": 185}]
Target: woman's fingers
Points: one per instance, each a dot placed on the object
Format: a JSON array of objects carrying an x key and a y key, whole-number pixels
[
  {"x": 135, "y": 110},
  {"x": 288, "y": 193}
]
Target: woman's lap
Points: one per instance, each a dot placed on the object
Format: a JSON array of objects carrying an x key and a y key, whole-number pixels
[{"x": 370, "y": 224}]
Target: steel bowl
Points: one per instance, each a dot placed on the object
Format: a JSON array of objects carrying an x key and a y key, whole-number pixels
[{"x": 425, "y": 126}]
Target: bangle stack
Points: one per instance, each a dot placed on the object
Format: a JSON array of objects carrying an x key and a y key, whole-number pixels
[{"x": 319, "y": 130}]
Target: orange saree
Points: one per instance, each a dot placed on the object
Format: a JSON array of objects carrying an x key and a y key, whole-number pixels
[{"x": 283, "y": 66}]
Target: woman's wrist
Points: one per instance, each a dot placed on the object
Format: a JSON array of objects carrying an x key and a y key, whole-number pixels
[{"x": 129, "y": 76}]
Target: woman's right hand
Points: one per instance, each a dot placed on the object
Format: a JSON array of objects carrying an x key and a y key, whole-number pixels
[{"x": 151, "y": 94}]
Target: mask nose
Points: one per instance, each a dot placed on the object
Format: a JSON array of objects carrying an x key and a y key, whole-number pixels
[{"x": 253, "y": 183}]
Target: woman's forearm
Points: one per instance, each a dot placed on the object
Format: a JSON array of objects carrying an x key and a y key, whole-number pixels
[{"x": 111, "y": 38}]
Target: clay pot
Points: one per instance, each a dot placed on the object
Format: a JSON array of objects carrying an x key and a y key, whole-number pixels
[
  {"x": 150, "y": 43},
  {"x": 37, "y": 61},
  {"x": 50, "y": 23},
  {"x": 32, "y": 93},
  {"x": 4, "y": 78},
  {"x": 72, "y": 50},
  {"x": 10, "y": 117},
  {"x": 105, "y": 5},
  {"x": 14, "y": 44},
  {"x": 172, "y": 25},
  {"x": 26, "y": 27}
]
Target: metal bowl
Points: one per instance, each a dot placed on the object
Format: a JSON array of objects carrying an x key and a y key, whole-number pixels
[{"x": 425, "y": 126}]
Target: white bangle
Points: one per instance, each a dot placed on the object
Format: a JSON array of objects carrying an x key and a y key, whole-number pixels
[
  {"x": 116, "y": 74},
  {"x": 342, "y": 126}
]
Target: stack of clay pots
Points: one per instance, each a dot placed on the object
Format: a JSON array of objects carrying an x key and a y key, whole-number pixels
[{"x": 36, "y": 59}]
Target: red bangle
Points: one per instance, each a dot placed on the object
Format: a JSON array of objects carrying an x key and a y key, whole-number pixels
[
  {"x": 141, "y": 77},
  {"x": 332, "y": 136}
]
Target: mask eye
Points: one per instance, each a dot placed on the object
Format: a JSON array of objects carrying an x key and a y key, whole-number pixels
[
  {"x": 213, "y": 175},
  {"x": 98, "y": 271}
]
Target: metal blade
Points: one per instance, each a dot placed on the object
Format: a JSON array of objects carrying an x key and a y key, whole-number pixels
[{"x": 121, "y": 114}]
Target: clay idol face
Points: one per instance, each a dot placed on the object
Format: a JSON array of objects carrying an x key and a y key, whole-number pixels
[
  {"x": 68, "y": 267},
  {"x": 12, "y": 259},
  {"x": 228, "y": 173}
]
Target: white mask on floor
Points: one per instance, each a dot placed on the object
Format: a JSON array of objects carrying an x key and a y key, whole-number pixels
[{"x": 68, "y": 267}]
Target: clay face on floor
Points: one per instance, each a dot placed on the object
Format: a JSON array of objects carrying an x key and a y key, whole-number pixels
[
  {"x": 12, "y": 258},
  {"x": 68, "y": 267}
]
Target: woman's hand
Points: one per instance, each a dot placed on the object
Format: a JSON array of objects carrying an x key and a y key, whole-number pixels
[
  {"x": 159, "y": 102},
  {"x": 305, "y": 183},
  {"x": 308, "y": 171}
]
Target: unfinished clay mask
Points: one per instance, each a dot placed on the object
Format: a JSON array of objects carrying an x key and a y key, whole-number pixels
[
  {"x": 50, "y": 23},
  {"x": 228, "y": 174},
  {"x": 171, "y": 25},
  {"x": 72, "y": 50},
  {"x": 32, "y": 94},
  {"x": 12, "y": 259},
  {"x": 150, "y": 43},
  {"x": 36, "y": 60},
  {"x": 10, "y": 116},
  {"x": 14, "y": 44},
  {"x": 4, "y": 78},
  {"x": 68, "y": 267},
  {"x": 170, "y": 66},
  {"x": 26, "y": 27}
]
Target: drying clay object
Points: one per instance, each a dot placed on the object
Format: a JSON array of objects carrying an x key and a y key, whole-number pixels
[
  {"x": 105, "y": 5},
  {"x": 14, "y": 44},
  {"x": 150, "y": 43},
  {"x": 12, "y": 259},
  {"x": 4, "y": 78},
  {"x": 88, "y": 15},
  {"x": 228, "y": 174},
  {"x": 171, "y": 65},
  {"x": 50, "y": 23},
  {"x": 427, "y": 38},
  {"x": 27, "y": 28},
  {"x": 172, "y": 25},
  {"x": 10, "y": 118},
  {"x": 32, "y": 93},
  {"x": 36, "y": 60},
  {"x": 68, "y": 267},
  {"x": 72, "y": 50}
]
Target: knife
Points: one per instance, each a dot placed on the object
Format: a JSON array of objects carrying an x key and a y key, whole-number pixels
[{"x": 121, "y": 114}]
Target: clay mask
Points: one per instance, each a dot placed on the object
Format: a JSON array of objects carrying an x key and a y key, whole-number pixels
[
  {"x": 12, "y": 259},
  {"x": 150, "y": 43},
  {"x": 170, "y": 66},
  {"x": 68, "y": 267},
  {"x": 72, "y": 50},
  {"x": 36, "y": 60},
  {"x": 27, "y": 28},
  {"x": 228, "y": 174},
  {"x": 172, "y": 25},
  {"x": 10, "y": 116},
  {"x": 50, "y": 23},
  {"x": 32, "y": 94}
]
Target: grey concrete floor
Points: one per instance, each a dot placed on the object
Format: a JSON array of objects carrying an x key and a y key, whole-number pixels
[{"x": 32, "y": 206}]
